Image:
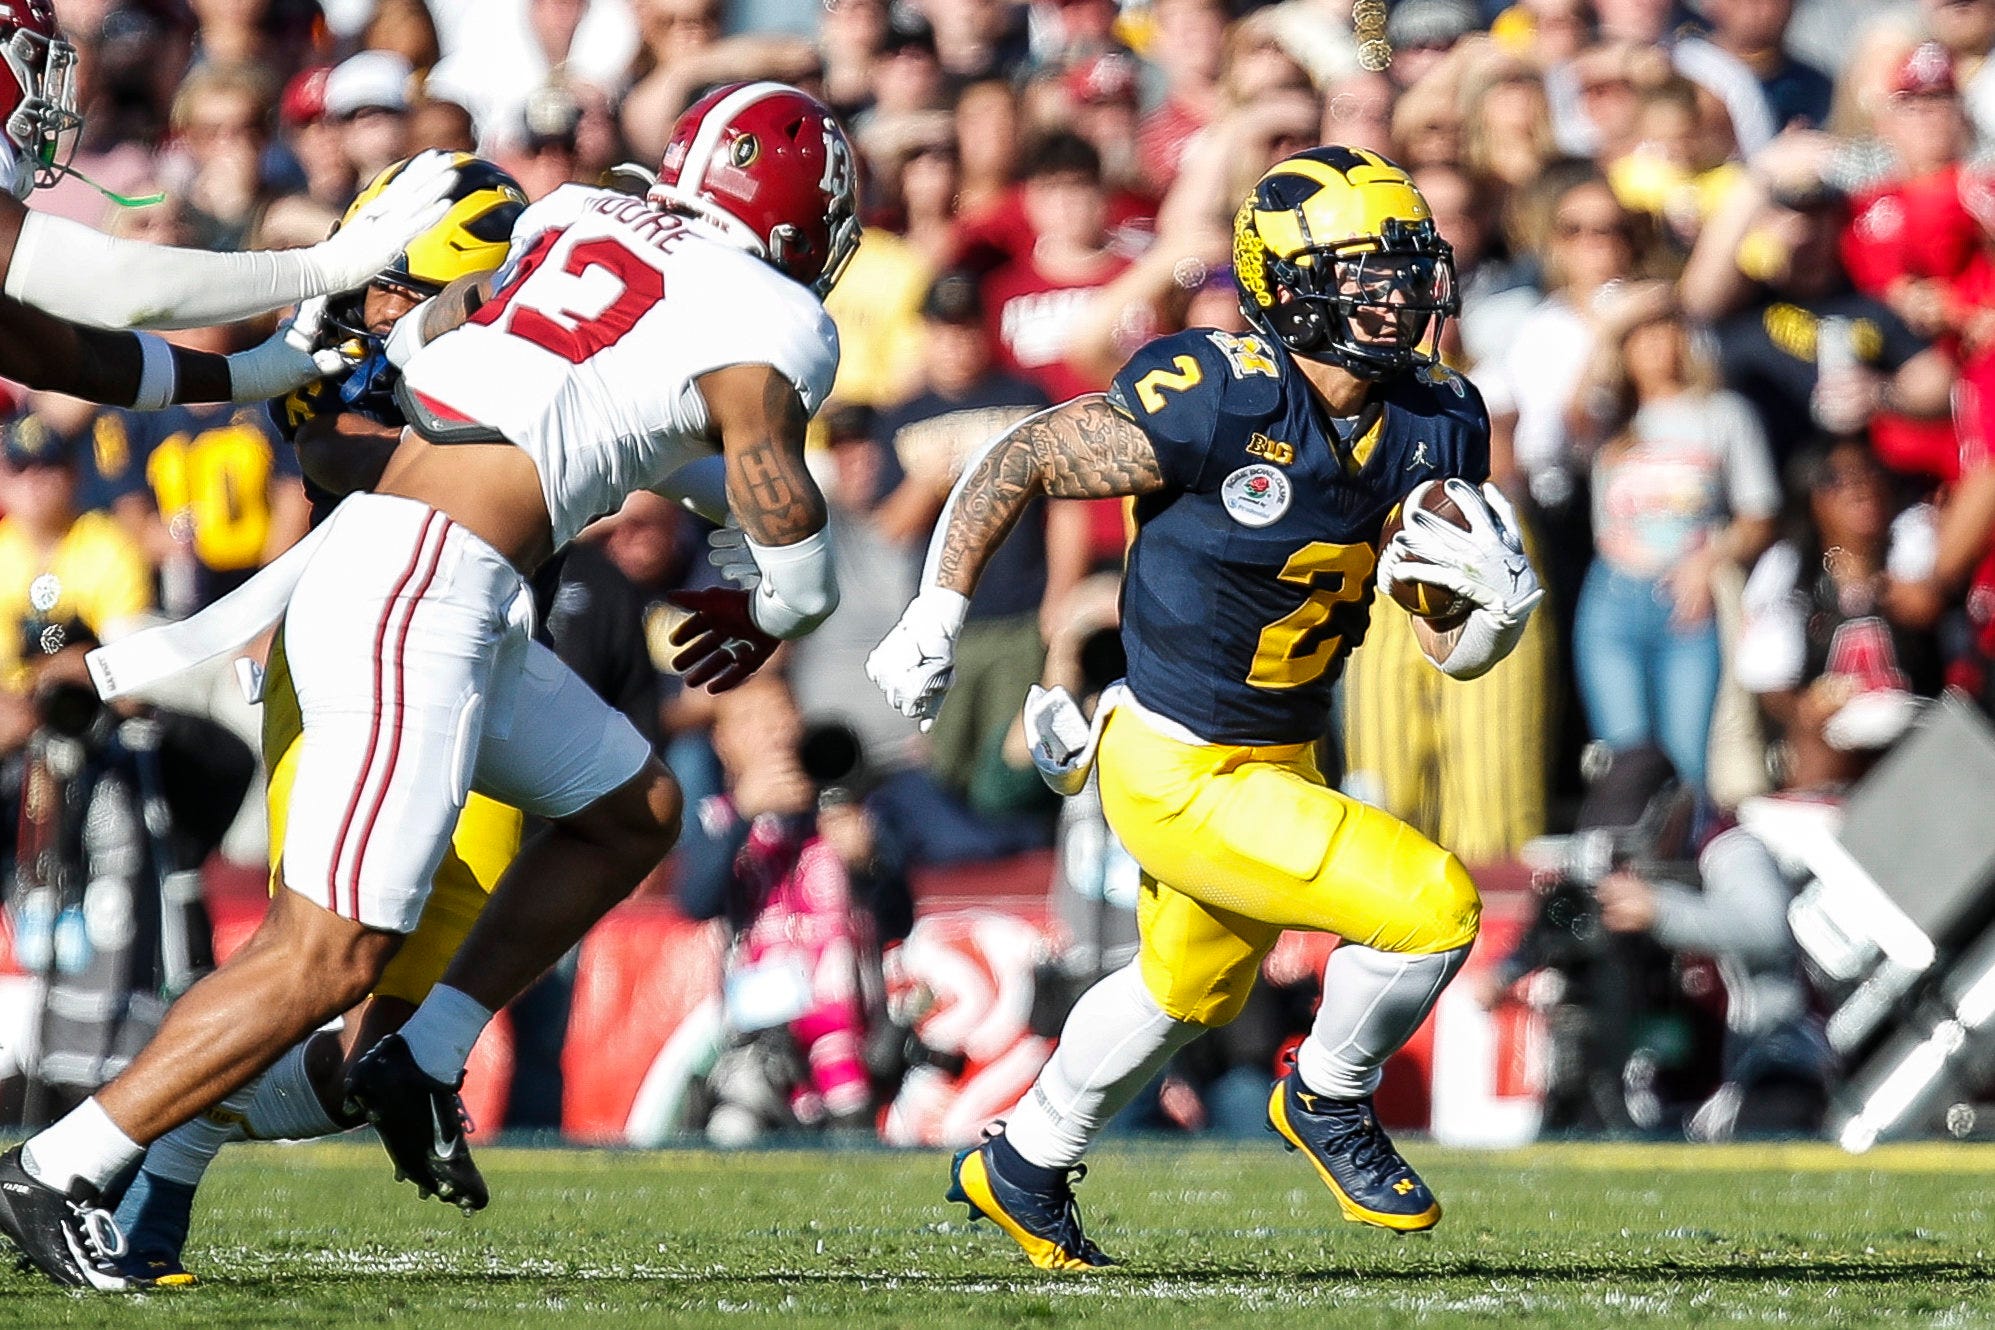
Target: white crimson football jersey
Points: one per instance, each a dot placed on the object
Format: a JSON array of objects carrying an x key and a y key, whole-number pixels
[{"x": 607, "y": 311}]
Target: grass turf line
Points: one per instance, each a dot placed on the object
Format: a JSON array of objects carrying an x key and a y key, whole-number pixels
[{"x": 318, "y": 1237}]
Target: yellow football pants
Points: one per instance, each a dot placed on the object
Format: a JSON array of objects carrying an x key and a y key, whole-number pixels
[
  {"x": 485, "y": 841},
  {"x": 1465, "y": 762},
  {"x": 1238, "y": 844}
]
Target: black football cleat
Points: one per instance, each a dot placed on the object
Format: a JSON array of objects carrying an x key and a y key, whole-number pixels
[
  {"x": 1040, "y": 1215},
  {"x": 1353, "y": 1156},
  {"x": 69, "y": 1236},
  {"x": 421, "y": 1121}
]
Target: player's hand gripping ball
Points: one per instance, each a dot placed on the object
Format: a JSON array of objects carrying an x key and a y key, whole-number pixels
[
  {"x": 1426, "y": 599},
  {"x": 720, "y": 646}
]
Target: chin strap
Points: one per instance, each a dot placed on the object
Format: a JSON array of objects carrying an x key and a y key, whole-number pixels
[{"x": 122, "y": 200}]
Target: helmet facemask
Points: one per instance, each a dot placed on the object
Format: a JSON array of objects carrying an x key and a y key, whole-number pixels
[
  {"x": 45, "y": 67},
  {"x": 1376, "y": 307}
]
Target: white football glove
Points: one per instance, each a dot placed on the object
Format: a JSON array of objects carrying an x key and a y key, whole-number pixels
[
  {"x": 916, "y": 660},
  {"x": 289, "y": 358},
  {"x": 727, "y": 550},
  {"x": 1485, "y": 565},
  {"x": 414, "y": 201}
]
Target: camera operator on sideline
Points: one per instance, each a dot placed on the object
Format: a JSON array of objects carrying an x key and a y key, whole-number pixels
[
  {"x": 792, "y": 860},
  {"x": 105, "y": 819}
]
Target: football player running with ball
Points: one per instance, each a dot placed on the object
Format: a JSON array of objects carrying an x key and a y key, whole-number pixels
[
  {"x": 677, "y": 342},
  {"x": 1264, "y": 469},
  {"x": 64, "y": 288}
]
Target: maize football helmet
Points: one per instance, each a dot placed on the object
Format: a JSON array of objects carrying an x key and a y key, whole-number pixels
[
  {"x": 770, "y": 168},
  {"x": 471, "y": 239},
  {"x": 38, "y": 100},
  {"x": 1337, "y": 257}
]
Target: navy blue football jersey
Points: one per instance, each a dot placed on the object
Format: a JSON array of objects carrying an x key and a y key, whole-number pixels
[{"x": 1251, "y": 576}]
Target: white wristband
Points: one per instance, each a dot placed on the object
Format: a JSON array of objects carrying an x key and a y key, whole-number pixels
[
  {"x": 158, "y": 375},
  {"x": 799, "y": 585}
]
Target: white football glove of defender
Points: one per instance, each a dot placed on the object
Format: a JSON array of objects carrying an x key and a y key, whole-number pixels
[
  {"x": 916, "y": 661},
  {"x": 1485, "y": 565},
  {"x": 413, "y": 202},
  {"x": 289, "y": 358},
  {"x": 727, "y": 550}
]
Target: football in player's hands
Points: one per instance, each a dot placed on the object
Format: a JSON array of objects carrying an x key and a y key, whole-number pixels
[
  {"x": 720, "y": 646},
  {"x": 1443, "y": 607}
]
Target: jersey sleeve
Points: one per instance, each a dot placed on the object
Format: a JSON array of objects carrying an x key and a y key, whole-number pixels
[
  {"x": 1185, "y": 391},
  {"x": 1464, "y": 423}
]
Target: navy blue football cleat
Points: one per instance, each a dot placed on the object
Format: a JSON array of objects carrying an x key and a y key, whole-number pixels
[
  {"x": 1354, "y": 1156},
  {"x": 154, "y": 1215},
  {"x": 1039, "y": 1212}
]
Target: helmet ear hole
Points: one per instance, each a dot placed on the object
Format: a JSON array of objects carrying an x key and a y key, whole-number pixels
[{"x": 1300, "y": 324}]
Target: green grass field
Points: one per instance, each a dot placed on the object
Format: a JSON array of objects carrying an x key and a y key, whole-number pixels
[{"x": 1571, "y": 1236}]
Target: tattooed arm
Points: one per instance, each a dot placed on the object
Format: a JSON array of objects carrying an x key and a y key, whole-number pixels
[
  {"x": 760, "y": 422},
  {"x": 1083, "y": 449}
]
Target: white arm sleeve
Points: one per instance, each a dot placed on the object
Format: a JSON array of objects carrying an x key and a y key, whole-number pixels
[
  {"x": 799, "y": 587},
  {"x": 67, "y": 269}
]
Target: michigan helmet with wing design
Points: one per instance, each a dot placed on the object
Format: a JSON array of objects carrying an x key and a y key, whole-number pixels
[
  {"x": 38, "y": 98},
  {"x": 1336, "y": 256},
  {"x": 471, "y": 239}
]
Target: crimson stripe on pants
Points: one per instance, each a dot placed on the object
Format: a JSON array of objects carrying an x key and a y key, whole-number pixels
[
  {"x": 395, "y": 739},
  {"x": 374, "y": 733}
]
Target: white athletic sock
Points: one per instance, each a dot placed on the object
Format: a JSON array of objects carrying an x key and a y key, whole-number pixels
[
  {"x": 442, "y": 1031},
  {"x": 1114, "y": 1040},
  {"x": 287, "y": 1105},
  {"x": 83, "y": 1144},
  {"x": 1373, "y": 1001},
  {"x": 183, "y": 1154}
]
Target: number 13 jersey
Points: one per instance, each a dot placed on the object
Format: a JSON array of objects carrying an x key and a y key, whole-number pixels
[
  {"x": 606, "y": 313},
  {"x": 1252, "y": 572}
]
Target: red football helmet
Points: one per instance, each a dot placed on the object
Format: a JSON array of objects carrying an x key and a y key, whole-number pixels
[
  {"x": 769, "y": 166},
  {"x": 38, "y": 102}
]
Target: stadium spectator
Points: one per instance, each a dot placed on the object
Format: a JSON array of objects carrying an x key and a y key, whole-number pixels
[
  {"x": 313, "y": 139},
  {"x": 1186, "y": 46},
  {"x": 58, "y": 561},
  {"x": 1588, "y": 243},
  {"x": 1508, "y": 122},
  {"x": 1754, "y": 33},
  {"x": 367, "y": 96},
  {"x": 1682, "y": 486},
  {"x": 968, "y": 400},
  {"x": 221, "y": 121},
  {"x": 1793, "y": 338},
  {"x": 1832, "y": 585},
  {"x": 880, "y": 521}
]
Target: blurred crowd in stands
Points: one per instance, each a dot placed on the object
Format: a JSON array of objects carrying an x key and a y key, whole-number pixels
[{"x": 1728, "y": 275}]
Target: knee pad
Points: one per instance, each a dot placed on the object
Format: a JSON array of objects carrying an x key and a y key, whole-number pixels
[
  {"x": 1454, "y": 908},
  {"x": 1200, "y": 990}
]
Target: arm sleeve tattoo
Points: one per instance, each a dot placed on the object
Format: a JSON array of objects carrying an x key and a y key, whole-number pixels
[{"x": 1084, "y": 449}]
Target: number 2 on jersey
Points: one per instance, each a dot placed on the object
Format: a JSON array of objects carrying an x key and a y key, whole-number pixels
[
  {"x": 572, "y": 334},
  {"x": 1298, "y": 647}
]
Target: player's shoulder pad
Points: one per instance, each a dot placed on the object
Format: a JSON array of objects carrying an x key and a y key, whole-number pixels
[
  {"x": 1449, "y": 415},
  {"x": 1188, "y": 388},
  {"x": 753, "y": 315}
]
